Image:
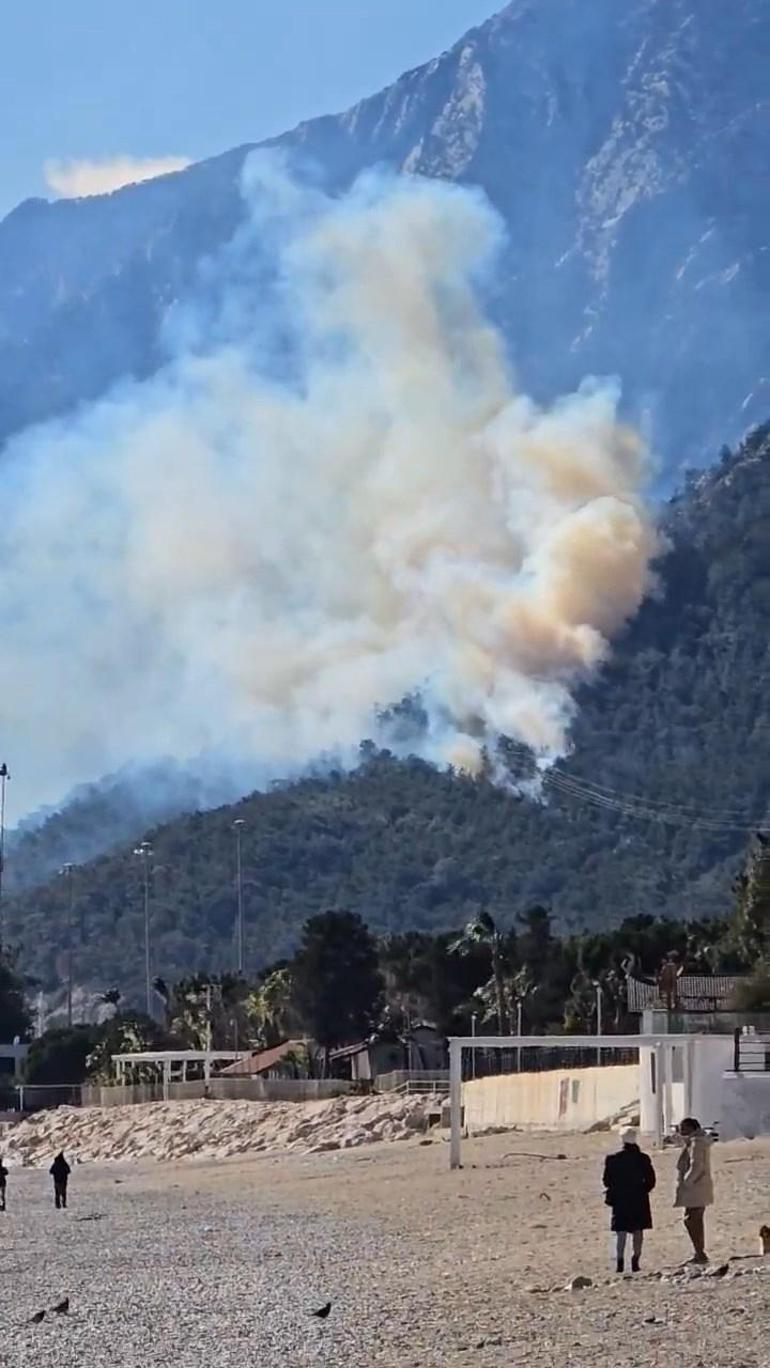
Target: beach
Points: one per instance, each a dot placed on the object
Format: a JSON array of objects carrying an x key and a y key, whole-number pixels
[{"x": 220, "y": 1262}]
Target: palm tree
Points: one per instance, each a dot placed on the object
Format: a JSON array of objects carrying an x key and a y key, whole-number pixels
[{"x": 484, "y": 931}]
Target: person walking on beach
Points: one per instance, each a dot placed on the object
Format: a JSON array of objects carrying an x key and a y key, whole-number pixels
[
  {"x": 3, "y": 1184},
  {"x": 629, "y": 1178},
  {"x": 695, "y": 1185},
  {"x": 60, "y": 1172}
]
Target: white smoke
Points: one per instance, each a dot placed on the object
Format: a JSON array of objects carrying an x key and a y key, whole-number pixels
[{"x": 284, "y": 532}]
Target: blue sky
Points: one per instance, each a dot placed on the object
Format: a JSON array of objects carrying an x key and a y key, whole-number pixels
[{"x": 91, "y": 80}]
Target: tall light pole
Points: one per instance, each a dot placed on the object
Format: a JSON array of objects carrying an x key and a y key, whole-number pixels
[
  {"x": 519, "y": 1005},
  {"x": 473, "y": 1051},
  {"x": 144, "y": 851},
  {"x": 67, "y": 872},
  {"x": 238, "y": 826},
  {"x": 4, "y": 777},
  {"x": 598, "y": 987}
]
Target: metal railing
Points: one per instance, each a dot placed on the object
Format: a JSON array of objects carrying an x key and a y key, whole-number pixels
[
  {"x": 413, "y": 1081},
  {"x": 751, "y": 1050}
]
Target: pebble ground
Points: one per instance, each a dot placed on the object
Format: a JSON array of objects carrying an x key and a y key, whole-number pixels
[{"x": 217, "y": 1265}]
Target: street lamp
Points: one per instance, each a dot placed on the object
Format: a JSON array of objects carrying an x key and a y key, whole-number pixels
[
  {"x": 598, "y": 987},
  {"x": 238, "y": 826},
  {"x": 4, "y": 777},
  {"x": 473, "y": 1051},
  {"x": 519, "y": 1005},
  {"x": 144, "y": 852},
  {"x": 67, "y": 872}
]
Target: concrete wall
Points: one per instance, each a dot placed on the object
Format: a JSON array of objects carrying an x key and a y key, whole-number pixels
[
  {"x": 554, "y": 1100},
  {"x": 243, "y": 1089},
  {"x": 745, "y": 1105},
  {"x": 710, "y": 1056}
]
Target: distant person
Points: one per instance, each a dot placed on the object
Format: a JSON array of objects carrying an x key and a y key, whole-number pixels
[
  {"x": 695, "y": 1185},
  {"x": 60, "y": 1172},
  {"x": 629, "y": 1179},
  {"x": 3, "y": 1184},
  {"x": 669, "y": 975}
]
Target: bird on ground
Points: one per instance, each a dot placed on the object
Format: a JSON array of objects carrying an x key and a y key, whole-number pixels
[
  {"x": 61, "y": 1308},
  {"x": 37, "y": 1318},
  {"x": 323, "y": 1311}
]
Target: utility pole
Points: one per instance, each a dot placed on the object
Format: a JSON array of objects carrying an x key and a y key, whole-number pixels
[
  {"x": 144, "y": 852},
  {"x": 238, "y": 826},
  {"x": 4, "y": 777},
  {"x": 68, "y": 872}
]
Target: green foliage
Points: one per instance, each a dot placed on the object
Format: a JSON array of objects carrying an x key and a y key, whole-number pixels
[
  {"x": 750, "y": 922},
  {"x": 679, "y": 716},
  {"x": 61, "y": 1054},
  {"x": 338, "y": 987},
  {"x": 14, "y": 1017},
  {"x": 754, "y": 994},
  {"x": 126, "y": 1033}
]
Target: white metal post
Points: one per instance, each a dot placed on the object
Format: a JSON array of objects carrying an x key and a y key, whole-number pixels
[
  {"x": 455, "y": 1101},
  {"x": 660, "y": 1083},
  {"x": 518, "y": 1032},
  {"x": 473, "y": 1048},
  {"x": 689, "y": 1077},
  {"x": 669, "y": 1103}
]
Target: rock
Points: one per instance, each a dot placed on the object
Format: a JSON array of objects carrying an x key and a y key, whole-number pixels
[{"x": 577, "y": 1284}]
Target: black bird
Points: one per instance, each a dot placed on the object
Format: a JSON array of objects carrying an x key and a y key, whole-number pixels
[
  {"x": 37, "y": 1318},
  {"x": 323, "y": 1311},
  {"x": 61, "y": 1308}
]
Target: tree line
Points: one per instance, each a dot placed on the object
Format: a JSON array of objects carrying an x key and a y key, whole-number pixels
[{"x": 344, "y": 984}]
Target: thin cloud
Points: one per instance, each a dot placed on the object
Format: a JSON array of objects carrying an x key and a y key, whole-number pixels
[{"x": 74, "y": 179}]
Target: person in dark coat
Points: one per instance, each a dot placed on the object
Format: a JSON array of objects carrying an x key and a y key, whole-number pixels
[
  {"x": 60, "y": 1172},
  {"x": 629, "y": 1178},
  {"x": 3, "y": 1184}
]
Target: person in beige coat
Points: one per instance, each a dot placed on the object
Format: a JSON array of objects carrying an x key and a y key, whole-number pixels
[{"x": 695, "y": 1185}]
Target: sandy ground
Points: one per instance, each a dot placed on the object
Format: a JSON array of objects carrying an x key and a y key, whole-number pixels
[{"x": 219, "y": 1263}]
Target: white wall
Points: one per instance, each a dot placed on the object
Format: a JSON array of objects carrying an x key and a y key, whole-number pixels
[
  {"x": 745, "y": 1105},
  {"x": 711, "y": 1055},
  {"x": 555, "y": 1100}
]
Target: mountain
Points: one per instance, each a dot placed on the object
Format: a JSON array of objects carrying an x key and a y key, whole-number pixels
[
  {"x": 668, "y": 777},
  {"x": 626, "y": 146}
]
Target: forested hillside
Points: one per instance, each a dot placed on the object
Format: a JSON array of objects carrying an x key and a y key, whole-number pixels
[{"x": 652, "y": 812}]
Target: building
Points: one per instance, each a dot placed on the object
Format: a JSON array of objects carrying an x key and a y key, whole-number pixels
[{"x": 424, "y": 1050}]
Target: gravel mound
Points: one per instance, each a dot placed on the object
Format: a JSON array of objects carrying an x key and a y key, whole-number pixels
[{"x": 214, "y": 1129}]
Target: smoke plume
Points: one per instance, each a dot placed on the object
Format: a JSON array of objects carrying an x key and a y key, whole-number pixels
[{"x": 330, "y": 498}]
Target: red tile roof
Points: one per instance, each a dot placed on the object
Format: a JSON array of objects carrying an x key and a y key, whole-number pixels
[{"x": 261, "y": 1060}]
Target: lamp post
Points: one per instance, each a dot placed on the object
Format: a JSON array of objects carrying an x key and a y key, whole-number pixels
[
  {"x": 67, "y": 872},
  {"x": 4, "y": 777},
  {"x": 598, "y": 987},
  {"x": 238, "y": 826},
  {"x": 518, "y": 1032},
  {"x": 473, "y": 1051},
  {"x": 144, "y": 852}
]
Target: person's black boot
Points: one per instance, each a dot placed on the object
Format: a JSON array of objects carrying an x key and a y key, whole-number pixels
[
  {"x": 621, "y": 1266},
  {"x": 635, "y": 1264}
]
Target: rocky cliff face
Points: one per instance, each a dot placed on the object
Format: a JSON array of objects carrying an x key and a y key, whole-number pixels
[{"x": 625, "y": 145}]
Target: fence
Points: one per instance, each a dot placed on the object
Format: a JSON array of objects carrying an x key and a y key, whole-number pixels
[
  {"x": 413, "y": 1081},
  {"x": 222, "y": 1090},
  {"x": 482, "y": 1063},
  {"x": 751, "y": 1051}
]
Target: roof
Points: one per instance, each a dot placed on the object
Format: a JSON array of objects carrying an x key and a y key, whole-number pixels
[
  {"x": 695, "y": 993},
  {"x": 261, "y": 1060},
  {"x": 347, "y": 1051},
  {"x": 175, "y": 1056}
]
